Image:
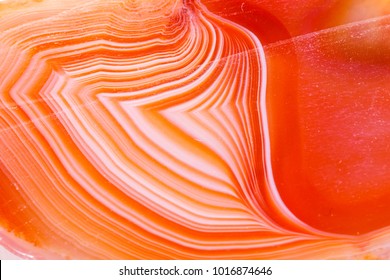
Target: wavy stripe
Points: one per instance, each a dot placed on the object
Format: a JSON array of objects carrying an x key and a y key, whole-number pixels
[{"x": 144, "y": 130}]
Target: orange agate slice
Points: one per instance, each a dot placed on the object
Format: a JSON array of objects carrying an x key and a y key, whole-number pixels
[{"x": 195, "y": 129}]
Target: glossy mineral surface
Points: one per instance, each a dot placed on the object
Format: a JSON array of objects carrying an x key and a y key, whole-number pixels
[{"x": 208, "y": 129}]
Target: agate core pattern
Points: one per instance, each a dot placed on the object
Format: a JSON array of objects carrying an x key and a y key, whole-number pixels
[{"x": 252, "y": 129}]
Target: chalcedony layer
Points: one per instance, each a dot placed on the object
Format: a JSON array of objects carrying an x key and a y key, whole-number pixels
[{"x": 183, "y": 130}]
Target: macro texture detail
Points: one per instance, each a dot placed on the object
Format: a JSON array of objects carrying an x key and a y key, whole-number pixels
[{"x": 211, "y": 129}]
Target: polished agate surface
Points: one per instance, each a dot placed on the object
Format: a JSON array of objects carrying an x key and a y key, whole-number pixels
[{"x": 198, "y": 129}]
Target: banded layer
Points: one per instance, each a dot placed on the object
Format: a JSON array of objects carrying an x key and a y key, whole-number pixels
[{"x": 182, "y": 130}]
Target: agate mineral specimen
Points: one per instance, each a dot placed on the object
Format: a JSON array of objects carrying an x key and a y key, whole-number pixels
[{"x": 203, "y": 129}]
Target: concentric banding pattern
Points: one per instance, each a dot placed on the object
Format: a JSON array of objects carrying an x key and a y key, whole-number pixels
[{"x": 138, "y": 129}]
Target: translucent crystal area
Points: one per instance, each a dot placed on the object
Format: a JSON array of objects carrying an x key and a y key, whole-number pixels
[{"x": 199, "y": 129}]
